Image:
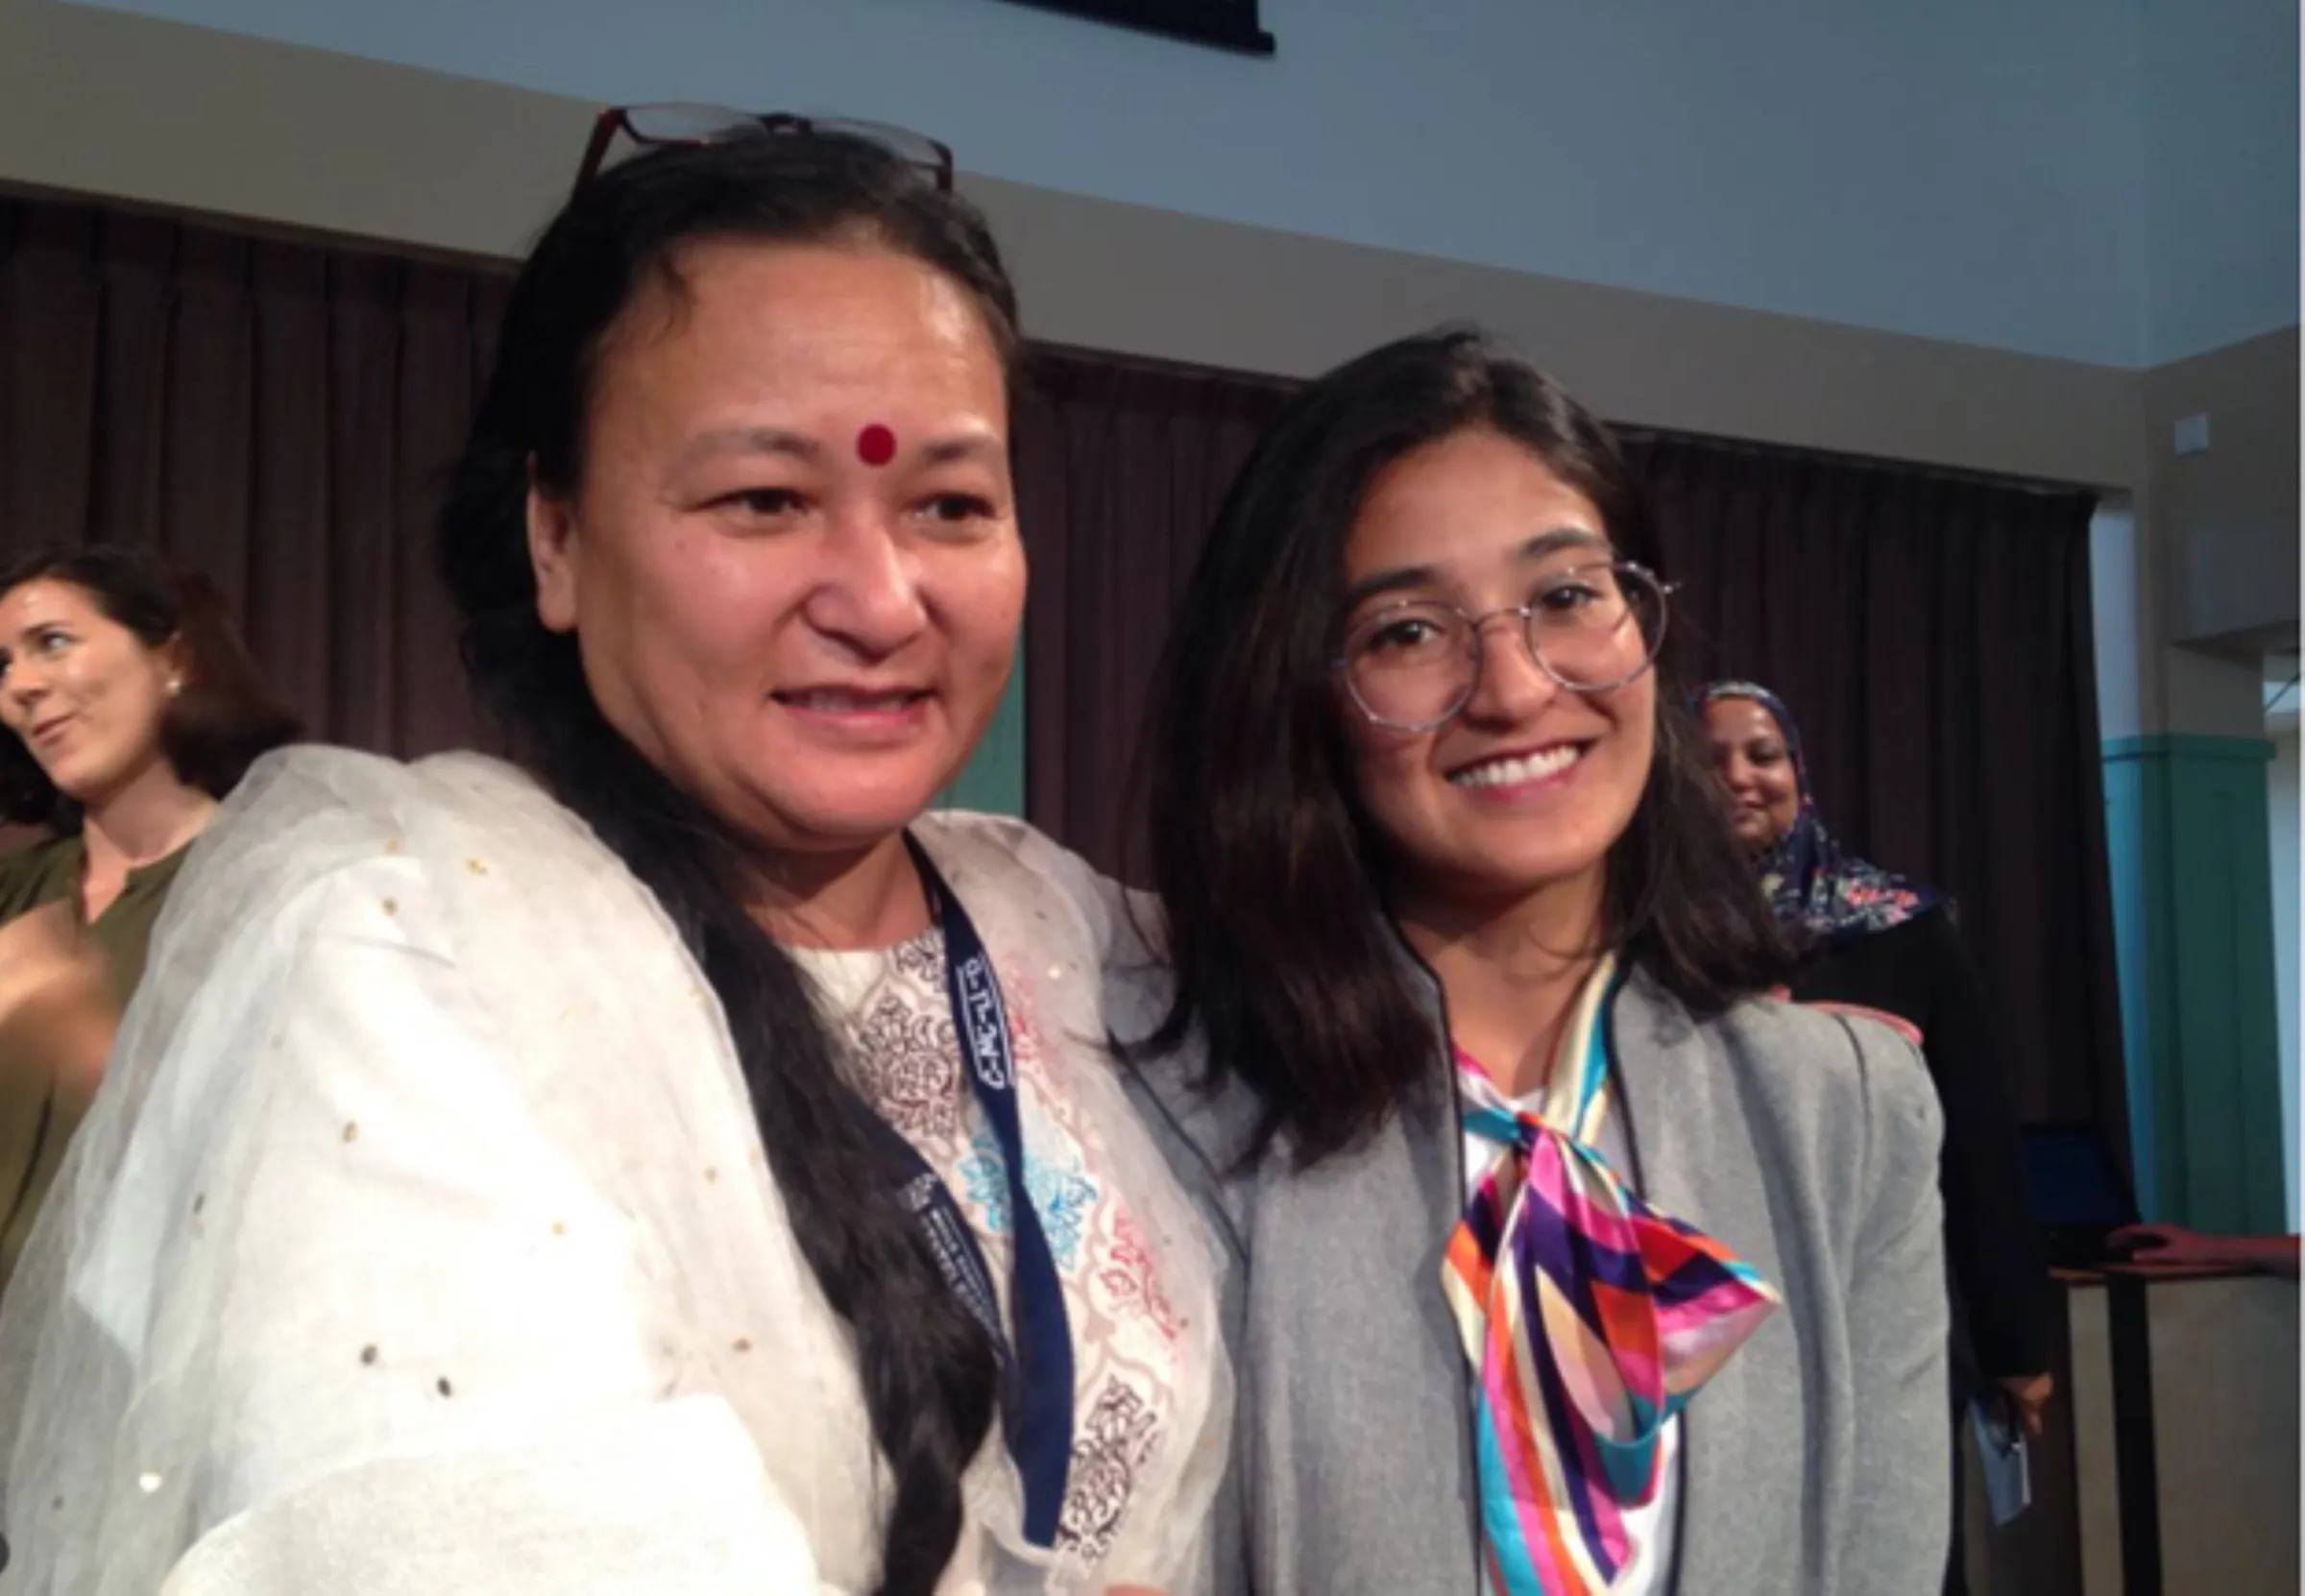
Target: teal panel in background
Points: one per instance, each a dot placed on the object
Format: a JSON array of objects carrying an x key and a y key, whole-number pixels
[
  {"x": 993, "y": 782},
  {"x": 2191, "y": 861}
]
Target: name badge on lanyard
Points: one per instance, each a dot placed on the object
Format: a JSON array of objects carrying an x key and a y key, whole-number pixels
[{"x": 1036, "y": 1362}]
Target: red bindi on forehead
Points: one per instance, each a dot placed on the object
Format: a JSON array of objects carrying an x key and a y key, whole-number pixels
[{"x": 876, "y": 445}]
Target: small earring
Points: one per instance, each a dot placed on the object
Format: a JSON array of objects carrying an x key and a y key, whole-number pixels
[{"x": 176, "y": 687}]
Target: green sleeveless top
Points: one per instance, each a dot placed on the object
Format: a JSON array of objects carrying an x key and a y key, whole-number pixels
[{"x": 36, "y": 1123}]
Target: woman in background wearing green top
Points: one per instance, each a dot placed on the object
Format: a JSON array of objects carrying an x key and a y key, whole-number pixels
[{"x": 132, "y": 708}]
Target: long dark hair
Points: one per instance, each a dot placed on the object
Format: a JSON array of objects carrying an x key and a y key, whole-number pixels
[
  {"x": 928, "y": 1370},
  {"x": 220, "y": 723},
  {"x": 1271, "y": 877}
]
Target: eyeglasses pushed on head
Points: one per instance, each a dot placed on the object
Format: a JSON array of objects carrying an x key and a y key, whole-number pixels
[{"x": 660, "y": 126}]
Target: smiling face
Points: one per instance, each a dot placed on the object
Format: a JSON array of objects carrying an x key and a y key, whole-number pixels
[
  {"x": 1758, "y": 771},
  {"x": 792, "y": 564},
  {"x": 1531, "y": 784},
  {"x": 85, "y": 694}
]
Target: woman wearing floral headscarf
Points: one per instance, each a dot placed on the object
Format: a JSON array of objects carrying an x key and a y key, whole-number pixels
[{"x": 1873, "y": 939}]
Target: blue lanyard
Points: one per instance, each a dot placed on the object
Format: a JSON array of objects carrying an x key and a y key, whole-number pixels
[{"x": 1036, "y": 1363}]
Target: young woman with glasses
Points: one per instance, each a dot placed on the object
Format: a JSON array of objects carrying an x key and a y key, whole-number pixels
[
  {"x": 674, "y": 1162},
  {"x": 1570, "y": 1263}
]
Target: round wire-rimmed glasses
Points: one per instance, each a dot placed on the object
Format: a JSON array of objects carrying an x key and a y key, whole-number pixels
[
  {"x": 1414, "y": 665},
  {"x": 693, "y": 125}
]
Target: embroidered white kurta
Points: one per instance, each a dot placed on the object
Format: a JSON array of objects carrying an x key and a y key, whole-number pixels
[
  {"x": 891, "y": 1008},
  {"x": 421, "y": 1240}
]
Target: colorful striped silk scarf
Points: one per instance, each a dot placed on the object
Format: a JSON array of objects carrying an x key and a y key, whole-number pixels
[{"x": 1589, "y": 1319}]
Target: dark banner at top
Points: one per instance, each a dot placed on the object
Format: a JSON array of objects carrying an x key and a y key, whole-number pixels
[{"x": 1229, "y": 24}]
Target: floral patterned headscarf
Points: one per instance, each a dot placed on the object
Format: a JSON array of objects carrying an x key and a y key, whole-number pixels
[{"x": 1822, "y": 894}]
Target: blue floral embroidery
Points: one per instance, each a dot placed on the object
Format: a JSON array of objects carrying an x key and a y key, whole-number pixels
[
  {"x": 988, "y": 1186},
  {"x": 1064, "y": 1201},
  {"x": 1060, "y": 1197}
]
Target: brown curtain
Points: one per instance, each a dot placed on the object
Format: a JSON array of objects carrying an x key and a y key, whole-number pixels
[
  {"x": 1933, "y": 633},
  {"x": 272, "y": 415},
  {"x": 277, "y": 415},
  {"x": 1121, "y": 466}
]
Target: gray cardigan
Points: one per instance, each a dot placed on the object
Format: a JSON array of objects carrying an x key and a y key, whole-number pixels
[{"x": 1815, "y": 1461}]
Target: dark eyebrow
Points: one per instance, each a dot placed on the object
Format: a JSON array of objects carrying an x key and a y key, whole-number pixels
[
  {"x": 1543, "y": 545},
  {"x": 1548, "y": 543},
  {"x": 32, "y": 631},
  {"x": 968, "y": 445},
  {"x": 750, "y": 440},
  {"x": 772, "y": 440},
  {"x": 1388, "y": 581}
]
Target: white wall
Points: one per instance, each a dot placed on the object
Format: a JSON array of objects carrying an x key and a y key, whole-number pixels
[
  {"x": 2220, "y": 172},
  {"x": 2282, "y": 816},
  {"x": 147, "y": 111},
  {"x": 1960, "y": 169},
  {"x": 2115, "y": 623},
  {"x": 108, "y": 101}
]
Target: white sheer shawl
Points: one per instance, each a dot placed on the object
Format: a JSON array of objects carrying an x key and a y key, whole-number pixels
[{"x": 420, "y": 1239}]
